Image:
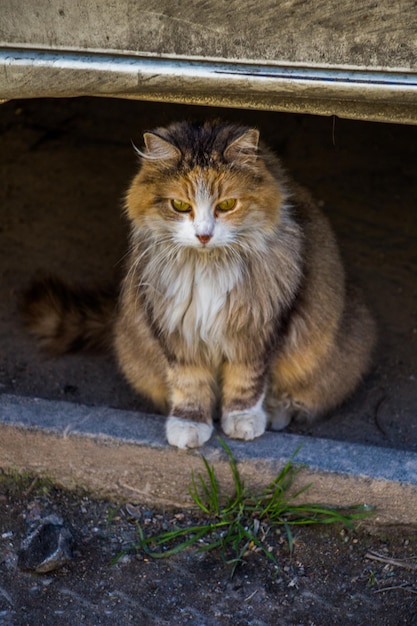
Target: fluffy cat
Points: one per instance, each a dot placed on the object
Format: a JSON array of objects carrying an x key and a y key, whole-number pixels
[{"x": 234, "y": 298}]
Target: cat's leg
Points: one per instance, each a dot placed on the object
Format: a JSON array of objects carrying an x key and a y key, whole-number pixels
[
  {"x": 243, "y": 415},
  {"x": 282, "y": 409},
  {"x": 192, "y": 398},
  {"x": 280, "y": 412}
]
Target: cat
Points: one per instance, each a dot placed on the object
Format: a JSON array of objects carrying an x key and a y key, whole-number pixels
[{"x": 234, "y": 297}]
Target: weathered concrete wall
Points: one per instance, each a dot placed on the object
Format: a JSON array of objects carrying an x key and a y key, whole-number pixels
[
  {"x": 364, "y": 34},
  {"x": 355, "y": 60}
]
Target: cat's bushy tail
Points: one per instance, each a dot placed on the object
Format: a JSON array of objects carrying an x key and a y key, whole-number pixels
[{"x": 65, "y": 319}]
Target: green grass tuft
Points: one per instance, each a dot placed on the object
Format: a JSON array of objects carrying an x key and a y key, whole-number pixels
[{"x": 243, "y": 522}]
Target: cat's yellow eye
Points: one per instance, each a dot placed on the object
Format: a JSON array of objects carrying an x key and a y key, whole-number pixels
[
  {"x": 227, "y": 205},
  {"x": 181, "y": 206}
]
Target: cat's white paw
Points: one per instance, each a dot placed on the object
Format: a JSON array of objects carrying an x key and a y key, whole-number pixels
[
  {"x": 245, "y": 424},
  {"x": 184, "y": 433}
]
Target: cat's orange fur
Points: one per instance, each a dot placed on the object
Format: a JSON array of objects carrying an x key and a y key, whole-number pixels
[{"x": 244, "y": 307}]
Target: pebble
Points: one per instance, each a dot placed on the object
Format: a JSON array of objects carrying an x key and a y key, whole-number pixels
[
  {"x": 47, "y": 547},
  {"x": 7, "y": 535}
]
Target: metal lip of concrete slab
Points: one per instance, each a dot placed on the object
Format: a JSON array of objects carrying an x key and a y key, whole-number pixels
[
  {"x": 37, "y": 434},
  {"x": 352, "y": 92}
]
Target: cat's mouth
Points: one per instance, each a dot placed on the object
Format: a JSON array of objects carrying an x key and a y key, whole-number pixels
[{"x": 205, "y": 248}]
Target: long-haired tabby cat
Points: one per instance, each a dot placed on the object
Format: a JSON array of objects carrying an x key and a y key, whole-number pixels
[{"x": 234, "y": 295}]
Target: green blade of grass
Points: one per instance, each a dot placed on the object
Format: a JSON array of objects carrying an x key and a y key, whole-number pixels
[
  {"x": 238, "y": 482},
  {"x": 213, "y": 491},
  {"x": 176, "y": 549},
  {"x": 193, "y": 491},
  {"x": 210, "y": 505},
  {"x": 290, "y": 537}
]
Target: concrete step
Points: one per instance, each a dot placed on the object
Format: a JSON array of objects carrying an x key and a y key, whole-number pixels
[{"x": 124, "y": 455}]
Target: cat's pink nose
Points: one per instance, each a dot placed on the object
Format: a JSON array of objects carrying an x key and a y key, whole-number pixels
[{"x": 204, "y": 238}]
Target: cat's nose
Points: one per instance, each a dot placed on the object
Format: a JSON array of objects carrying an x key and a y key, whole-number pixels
[{"x": 204, "y": 238}]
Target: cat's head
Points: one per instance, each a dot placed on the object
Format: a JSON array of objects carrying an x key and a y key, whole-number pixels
[{"x": 205, "y": 186}]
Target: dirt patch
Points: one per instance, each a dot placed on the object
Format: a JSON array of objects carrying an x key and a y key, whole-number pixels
[{"x": 333, "y": 577}]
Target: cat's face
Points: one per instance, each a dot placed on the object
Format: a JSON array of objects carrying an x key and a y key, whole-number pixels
[
  {"x": 204, "y": 188},
  {"x": 204, "y": 209}
]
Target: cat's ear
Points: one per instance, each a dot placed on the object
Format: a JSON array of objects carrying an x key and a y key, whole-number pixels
[
  {"x": 160, "y": 149},
  {"x": 245, "y": 148}
]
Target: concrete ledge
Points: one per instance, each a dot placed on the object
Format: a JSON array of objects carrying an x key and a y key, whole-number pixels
[{"x": 121, "y": 454}]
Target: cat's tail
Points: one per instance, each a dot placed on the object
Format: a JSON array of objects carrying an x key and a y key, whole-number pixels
[{"x": 67, "y": 319}]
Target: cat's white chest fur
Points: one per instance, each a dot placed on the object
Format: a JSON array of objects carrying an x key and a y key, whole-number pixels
[{"x": 198, "y": 302}]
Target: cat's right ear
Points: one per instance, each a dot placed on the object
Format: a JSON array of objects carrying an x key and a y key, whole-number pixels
[
  {"x": 159, "y": 149},
  {"x": 244, "y": 148}
]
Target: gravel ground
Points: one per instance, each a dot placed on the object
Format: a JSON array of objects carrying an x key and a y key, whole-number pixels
[{"x": 334, "y": 577}]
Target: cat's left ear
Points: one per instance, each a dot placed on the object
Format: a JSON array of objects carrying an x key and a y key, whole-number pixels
[
  {"x": 245, "y": 148},
  {"x": 160, "y": 149}
]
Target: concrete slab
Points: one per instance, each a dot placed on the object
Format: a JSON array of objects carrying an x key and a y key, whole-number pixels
[{"x": 124, "y": 455}]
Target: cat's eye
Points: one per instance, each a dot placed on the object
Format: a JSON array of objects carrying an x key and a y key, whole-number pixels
[
  {"x": 181, "y": 206},
  {"x": 227, "y": 205}
]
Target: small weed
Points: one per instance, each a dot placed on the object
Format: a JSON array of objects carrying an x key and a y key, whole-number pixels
[
  {"x": 243, "y": 522},
  {"x": 371, "y": 579},
  {"x": 19, "y": 483},
  {"x": 112, "y": 515}
]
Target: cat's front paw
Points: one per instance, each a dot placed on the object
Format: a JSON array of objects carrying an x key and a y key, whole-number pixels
[
  {"x": 184, "y": 433},
  {"x": 245, "y": 424}
]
